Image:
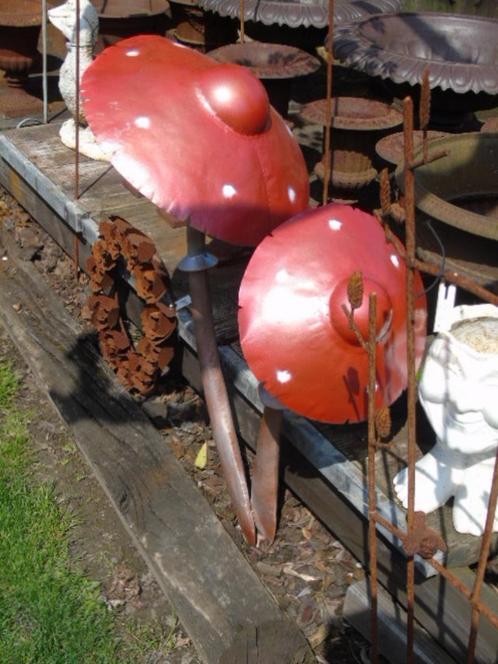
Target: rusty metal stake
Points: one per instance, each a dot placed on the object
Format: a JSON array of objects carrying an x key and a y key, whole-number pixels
[
  {"x": 410, "y": 352},
  {"x": 242, "y": 22},
  {"x": 196, "y": 263},
  {"x": 328, "y": 107},
  {"x": 264, "y": 493},
  {"x": 372, "y": 483}
]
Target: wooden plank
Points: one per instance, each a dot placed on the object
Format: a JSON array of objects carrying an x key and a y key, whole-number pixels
[{"x": 217, "y": 595}]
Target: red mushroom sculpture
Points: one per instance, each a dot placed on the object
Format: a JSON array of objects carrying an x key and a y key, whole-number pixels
[
  {"x": 296, "y": 336},
  {"x": 200, "y": 140}
]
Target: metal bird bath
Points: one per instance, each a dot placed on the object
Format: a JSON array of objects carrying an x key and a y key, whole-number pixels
[
  {"x": 296, "y": 13},
  {"x": 459, "y": 52},
  {"x": 358, "y": 124},
  {"x": 119, "y": 19},
  {"x": 459, "y": 194},
  {"x": 20, "y": 22}
]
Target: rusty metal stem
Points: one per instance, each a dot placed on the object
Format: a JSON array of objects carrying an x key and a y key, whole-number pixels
[
  {"x": 264, "y": 493},
  {"x": 218, "y": 405},
  {"x": 372, "y": 484},
  {"x": 410, "y": 356},
  {"x": 450, "y": 276},
  {"x": 481, "y": 567},
  {"x": 328, "y": 105},
  {"x": 242, "y": 22}
]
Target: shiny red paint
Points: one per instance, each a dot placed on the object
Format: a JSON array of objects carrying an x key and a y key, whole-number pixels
[
  {"x": 293, "y": 331},
  {"x": 196, "y": 137}
]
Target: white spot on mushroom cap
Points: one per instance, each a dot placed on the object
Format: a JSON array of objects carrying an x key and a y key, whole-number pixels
[
  {"x": 142, "y": 122},
  {"x": 394, "y": 260},
  {"x": 282, "y": 276},
  {"x": 335, "y": 224},
  {"x": 228, "y": 191},
  {"x": 292, "y": 194},
  {"x": 132, "y": 52},
  {"x": 283, "y": 376}
]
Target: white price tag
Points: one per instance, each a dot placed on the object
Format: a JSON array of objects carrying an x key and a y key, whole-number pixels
[{"x": 445, "y": 307}]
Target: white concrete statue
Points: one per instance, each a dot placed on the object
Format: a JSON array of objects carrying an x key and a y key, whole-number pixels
[
  {"x": 459, "y": 393},
  {"x": 63, "y": 18}
]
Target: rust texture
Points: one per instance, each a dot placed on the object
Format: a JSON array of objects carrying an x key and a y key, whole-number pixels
[
  {"x": 372, "y": 480},
  {"x": 425, "y": 112},
  {"x": 410, "y": 350},
  {"x": 120, "y": 245}
]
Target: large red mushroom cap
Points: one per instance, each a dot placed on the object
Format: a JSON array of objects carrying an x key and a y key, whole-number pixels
[
  {"x": 293, "y": 331},
  {"x": 196, "y": 137}
]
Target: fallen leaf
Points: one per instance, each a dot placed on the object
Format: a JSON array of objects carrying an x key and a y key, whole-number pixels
[{"x": 201, "y": 458}]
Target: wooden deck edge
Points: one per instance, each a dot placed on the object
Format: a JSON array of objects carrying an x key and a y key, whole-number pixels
[
  {"x": 391, "y": 627},
  {"x": 219, "y": 599}
]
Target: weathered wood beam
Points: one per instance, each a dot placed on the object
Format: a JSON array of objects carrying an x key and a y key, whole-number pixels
[{"x": 220, "y": 601}]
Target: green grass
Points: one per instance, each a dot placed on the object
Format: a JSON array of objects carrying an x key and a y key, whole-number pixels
[{"x": 49, "y": 613}]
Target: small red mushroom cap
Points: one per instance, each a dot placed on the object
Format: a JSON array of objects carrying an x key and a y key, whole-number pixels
[
  {"x": 196, "y": 137},
  {"x": 294, "y": 333}
]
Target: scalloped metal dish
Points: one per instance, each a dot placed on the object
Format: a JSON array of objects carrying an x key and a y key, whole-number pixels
[
  {"x": 354, "y": 113},
  {"x": 460, "y": 51},
  {"x": 295, "y": 13}
]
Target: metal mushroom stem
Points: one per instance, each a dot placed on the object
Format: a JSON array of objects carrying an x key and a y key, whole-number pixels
[
  {"x": 216, "y": 154},
  {"x": 264, "y": 490},
  {"x": 197, "y": 263},
  {"x": 299, "y": 279}
]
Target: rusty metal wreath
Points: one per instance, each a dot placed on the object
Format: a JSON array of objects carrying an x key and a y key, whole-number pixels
[{"x": 122, "y": 247}]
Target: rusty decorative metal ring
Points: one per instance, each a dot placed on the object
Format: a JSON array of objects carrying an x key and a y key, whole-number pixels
[{"x": 119, "y": 247}]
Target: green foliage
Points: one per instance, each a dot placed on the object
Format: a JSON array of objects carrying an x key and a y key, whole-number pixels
[{"x": 49, "y": 613}]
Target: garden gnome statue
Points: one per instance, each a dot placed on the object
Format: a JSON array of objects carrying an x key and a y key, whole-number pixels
[
  {"x": 63, "y": 18},
  {"x": 459, "y": 393}
]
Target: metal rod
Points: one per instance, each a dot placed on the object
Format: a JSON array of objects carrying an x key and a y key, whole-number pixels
[
  {"x": 242, "y": 22},
  {"x": 481, "y": 567},
  {"x": 213, "y": 383},
  {"x": 264, "y": 492},
  {"x": 77, "y": 103},
  {"x": 410, "y": 356},
  {"x": 328, "y": 105},
  {"x": 44, "y": 61},
  {"x": 466, "y": 283},
  {"x": 424, "y": 112},
  {"x": 372, "y": 483}
]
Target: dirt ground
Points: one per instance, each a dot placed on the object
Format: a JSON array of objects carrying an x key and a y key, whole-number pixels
[{"x": 307, "y": 570}]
